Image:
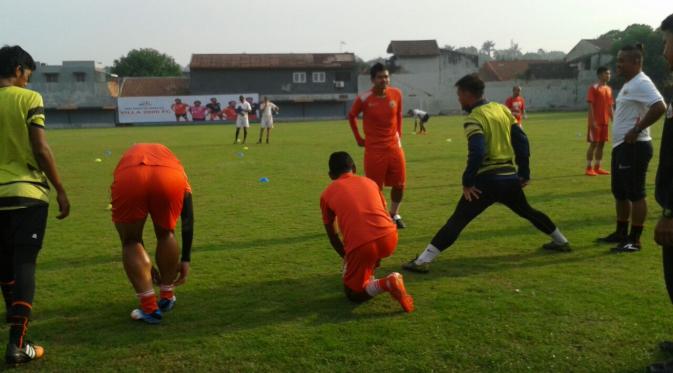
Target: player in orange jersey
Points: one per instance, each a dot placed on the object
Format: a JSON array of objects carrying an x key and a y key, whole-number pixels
[
  {"x": 180, "y": 109},
  {"x": 369, "y": 234},
  {"x": 381, "y": 109},
  {"x": 517, "y": 104},
  {"x": 150, "y": 179},
  {"x": 600, "y": 102}
]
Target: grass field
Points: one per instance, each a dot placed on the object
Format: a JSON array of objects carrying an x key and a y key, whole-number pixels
[{"x": 265, "y": 292}]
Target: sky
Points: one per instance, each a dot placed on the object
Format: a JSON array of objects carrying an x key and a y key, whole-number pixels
[{"x": 54, "y": 31}]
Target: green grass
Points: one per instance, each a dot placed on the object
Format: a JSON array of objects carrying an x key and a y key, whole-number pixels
[{"x": 265, "y": 293}]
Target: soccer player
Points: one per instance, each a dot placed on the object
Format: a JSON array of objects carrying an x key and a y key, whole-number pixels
[
  {"x": 242, "y": 109},
  {"x": 198, "y": 112},
  {"x": 268, "y": 108},
  {"x": 26, "y": 166},
  {"x": 516, "y": 104},
  {"x": 420, "y": 118},
  {"x": 639, "y": 105},
  {"x": 663, "y": 233},
  {"x": 180, "y": 110},
  {"x": 214, "y": 109},
  {"x": 368, "y": 232},
  {"x": 600, "y": 102},
  {"x": 381, "y": 109},
  {"x": 495, "y": 144},
  {"x": 149, "y": 179}
]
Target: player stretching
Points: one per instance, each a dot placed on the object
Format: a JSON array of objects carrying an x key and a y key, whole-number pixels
[
  {"x": 26, "y": 163},
  {"x": 600, "y": 102},
  {"x": 369, "y": 234},
  {"x": 242, "y": 109},
  {"x": 420, "y": 118},
  {"x": 517, "y": 104},
  {"x": 495, "y": 144},
  {"x": 381, "y": 109},
  {"x": 150, "y": 179}
]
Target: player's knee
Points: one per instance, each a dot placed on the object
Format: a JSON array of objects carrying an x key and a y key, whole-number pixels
[{"x": 356, "y": 296}]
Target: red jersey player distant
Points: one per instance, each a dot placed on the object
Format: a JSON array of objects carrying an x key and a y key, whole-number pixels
[
  {"x": 517, "y": 104},
  {"x": 381, "y": 109}
]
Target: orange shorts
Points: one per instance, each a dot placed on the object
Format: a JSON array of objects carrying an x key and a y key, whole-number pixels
[
  {"x": 362, "y": 261},
  {"x": 386, "y": 167},
  {"x": 157, "y": 190},
  {"x": 600, "y": 134}
]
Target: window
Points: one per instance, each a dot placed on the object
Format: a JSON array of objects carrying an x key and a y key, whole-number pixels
[
  {"x": 318, "y": 77},
  {"x": 80, "y": 77},
  {"x": 342, "y": 76},
  {"x": 299, "y": 77},
  {"x": 51, "y": 77}
]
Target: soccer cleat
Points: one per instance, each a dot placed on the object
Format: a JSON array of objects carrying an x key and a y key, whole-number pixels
[
  {"x": 613, "y": 237},
  {"x": 411, "y": 266},
  {"x": 166, "y": 305},
  {"x": 628, "y": 247},
  {"x": 666, "y": 346},
  {"x": 600, "y": 171},
  {"x": 150, "y": 318},
  {"x": 553, "y": 246},
  {"x": 399, "y": 292},
  {"x": 397, "y": 219},
  {"x": 590, "y": 172},
  {"x": 29, "y": 351},
  {"x": 666, "y": 367}
]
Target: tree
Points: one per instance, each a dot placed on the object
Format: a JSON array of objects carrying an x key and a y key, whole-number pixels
[
  {"x": 488, "y": 47},
  {"x": 146, "y": 62}
]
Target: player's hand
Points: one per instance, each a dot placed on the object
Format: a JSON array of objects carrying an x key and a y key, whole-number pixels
[
  {"x": 471, "y": 193},
  {"x": 663, "y": 233},
  {"x": 361, "y": 142},
  {"x": 631, "y": 136},
  {"x": 183, "y": 271},
  {"x": 63, "y": 205}
]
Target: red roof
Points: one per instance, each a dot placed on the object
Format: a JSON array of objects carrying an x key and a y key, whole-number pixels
[
  {"x": 272, "y": 61},
  {"x": 503, "y": 70},
  {"x": 156, "y": 86}
]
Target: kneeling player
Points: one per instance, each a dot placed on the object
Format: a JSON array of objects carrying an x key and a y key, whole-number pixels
[
  {"x": 368, "y": 231},
  {"x": 150, "y": 179}
]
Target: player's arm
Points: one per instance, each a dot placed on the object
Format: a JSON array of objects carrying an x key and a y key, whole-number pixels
[
  {"x": 353, "y": 120},
  {"x": 590, "y": 115},
  {"x": 328, "y": 219},
  {"x": 399, "y": 117},
  {"x": 45, "y": 160},
  {"x": 521, "y": 152},
  {"x": 653, "y": 114},
  {"x": 476, "y": 150},
  {"x": 187, "y": 230}
]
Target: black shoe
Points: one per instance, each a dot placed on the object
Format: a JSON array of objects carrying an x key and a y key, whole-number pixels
[
  {"x": 411, "y": 266},
  {"x": 16, "y": 355},
  {"x": 613, "y": 237},
  {"x": 666, "y": 367},
  {"x": 553, "y": 246},
  {"x": 398, "y": 221},
  {"x": 628, "y": 247},
  {"x": 666, "y": 346}
]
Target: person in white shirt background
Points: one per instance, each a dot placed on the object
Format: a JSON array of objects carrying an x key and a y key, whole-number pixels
[
  {"x": 242, "y": 109},
  {"x": 267, "y": 108}
]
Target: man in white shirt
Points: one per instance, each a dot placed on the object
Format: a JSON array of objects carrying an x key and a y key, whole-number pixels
[
  {"x": 242, "y": 109},
  {"x": 267, "y": 108},
  {"x": 420, "y": 118},
  {"x": 639, "y": 105}
]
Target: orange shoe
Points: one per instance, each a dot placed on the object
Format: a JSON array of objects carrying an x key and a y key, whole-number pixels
[
  {"x": 590, "y": 172},
  {"x": 600, "y": 171},
  {"x": 399, "y": 292}
]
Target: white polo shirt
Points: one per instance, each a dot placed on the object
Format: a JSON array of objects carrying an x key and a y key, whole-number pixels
[
  {"x": 245, "y": 106},
  {"x": 634, "y": 100},
  {"x": 419, "y": 113}
]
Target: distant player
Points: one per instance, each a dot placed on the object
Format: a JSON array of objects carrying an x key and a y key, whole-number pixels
[
  {"x": 497, "y": 171},
  {"x": 180, "y": 110},
  {"x": 600, "y": 102},
  {"x": 268, "y": 109},
  {"x": 242, "y": 109},
  {"x": 198, "y": 112},
  {"x": 214, "y": 109},
  {"x": 420, "y": 119},
  {"x": 381, "y": 109},
  {"x": 149, "y": 179},
  {"x": 368, "y": 233},
  {"x": 517, "y": 105},
  {"x": 229, "y": 113},
  {"x": 639, "y": 105},
  {"x": 26, "y": 166}
]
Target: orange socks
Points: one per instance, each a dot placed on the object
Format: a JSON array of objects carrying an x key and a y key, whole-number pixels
[{"x": 148, "y": 301}]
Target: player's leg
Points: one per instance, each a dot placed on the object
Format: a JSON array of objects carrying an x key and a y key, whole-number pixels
[
  {"x": 415, "y": 124},
  {"x": 238, "y": 129},
  {"x": 618, "y": 186},
  {"x": 589, "y": 171},
  {"x": 6, "y": 263},
  {"x": 642, "y": 154},
  {"x": 268, "y": 133},
  {"x": 598, "y": 158},
  {"x": 394, "y": 282},
  {"x": 396, "y": 175},
  {"x": 261, "y": 132},
  {"x": 245, "y": 134},
  {"x": 167, "y": 258}
]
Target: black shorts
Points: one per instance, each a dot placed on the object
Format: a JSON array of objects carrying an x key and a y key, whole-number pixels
[
  {"x": 629, "y": 170},
  {"x": 425, "y": 118},
  {"x": 178, "y": 116},
  {"x": 23, "y": 227}
]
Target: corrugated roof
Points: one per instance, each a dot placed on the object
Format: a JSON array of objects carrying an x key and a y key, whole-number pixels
[
  {"x": 413, "y": 48},
  {"x": 272, "y": 61},
  {"x": 155, "y": 86},
  {"x": 603, "y": 44}
]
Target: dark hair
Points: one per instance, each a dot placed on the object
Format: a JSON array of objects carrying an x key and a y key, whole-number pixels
[
  {"x": 377, "y": 68},
  {"x": 667, "y": 24},
  {"x": 601, "y": 70},
  {"x": 340, "y": 162},
  {"x": 471, "y": 83},
  {"x": 634, "y": 51},
  {"x": 13, "y": 57}
]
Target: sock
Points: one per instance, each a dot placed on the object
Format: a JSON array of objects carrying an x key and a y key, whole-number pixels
[
  {"x": 166, "y": 291},
  {"x": 558, "y": 237},
  {"x": 597, "y": 165},
  {"x": 8, "y": 293},
  {"x": 588, "y": 165},
  {"x": 148, "y": 301},
  {"x": 636, "y": 231},
  {"x": 622, "y": 228},
  {"x": 376, "y": 287},
  {"x": 18, "y": 322},
  {"x": 394, "y": 208},
  {"x": 428, "y": 255}
]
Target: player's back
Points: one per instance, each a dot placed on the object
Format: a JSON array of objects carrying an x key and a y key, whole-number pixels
[
  {"x": 149, "y": 155},
  {"x": 494, "y": 121}
]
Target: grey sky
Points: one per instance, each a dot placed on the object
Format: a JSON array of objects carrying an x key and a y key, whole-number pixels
[{"x": 53, "y": 31}]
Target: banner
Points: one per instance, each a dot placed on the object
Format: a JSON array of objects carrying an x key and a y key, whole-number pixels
[{"x": 167, "y": 109}]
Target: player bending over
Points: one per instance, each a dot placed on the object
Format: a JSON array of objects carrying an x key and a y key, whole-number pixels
[
  {"x": 420, "y": 118},
  {"x": 150, "y": 179},
  {"x": 369, "y": 233}
]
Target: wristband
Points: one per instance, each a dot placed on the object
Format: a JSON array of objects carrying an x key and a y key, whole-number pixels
[{"x": 667, "y": 213}]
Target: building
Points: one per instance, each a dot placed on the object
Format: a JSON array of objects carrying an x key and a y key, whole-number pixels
[
  {"x": 588, "y": 55},
  {"x": 305, "y": 85},
  {"x": 76, "y": 94}
]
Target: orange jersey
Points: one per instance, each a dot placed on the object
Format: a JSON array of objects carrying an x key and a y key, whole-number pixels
[
  {"x": 516, "y": 105},
  {"x": 180, "y": 109},
  {"x": 381, "y": 118},
  {"x": 600, "y": 99},
  {"x": 360, "y": 208},
  {"x": 149, "y": 155}
]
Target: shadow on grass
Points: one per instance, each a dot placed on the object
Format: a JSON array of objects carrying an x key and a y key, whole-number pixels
[{"x": 260, "y": 243}]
